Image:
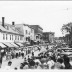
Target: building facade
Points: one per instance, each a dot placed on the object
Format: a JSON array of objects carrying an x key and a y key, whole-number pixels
[
  {"x": 8, "y": 33},
  {"x": 48, "y": 37},
  {"x": 37, "y": 33},
  {"x": 27, "y": 31}
]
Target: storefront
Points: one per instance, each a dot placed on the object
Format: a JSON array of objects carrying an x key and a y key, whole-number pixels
[
  {"x": 21, "y": 46},
  {"x": 2, "y": 49},
  {"x": 2, "y": 46},
  {"x": 16, "y": 46},
  {"x": 9, "y": 46}
]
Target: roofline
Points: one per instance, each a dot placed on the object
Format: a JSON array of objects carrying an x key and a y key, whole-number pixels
[
  {"x": 26, "y": 25},
  {"x": 11, "y": 33},
  {"x": 37, "y": 25}
]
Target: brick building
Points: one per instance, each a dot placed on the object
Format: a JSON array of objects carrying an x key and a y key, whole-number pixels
[{"x": 37, "y": 33}]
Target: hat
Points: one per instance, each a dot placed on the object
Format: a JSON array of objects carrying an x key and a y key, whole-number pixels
[{"x": 9, "y": 62}]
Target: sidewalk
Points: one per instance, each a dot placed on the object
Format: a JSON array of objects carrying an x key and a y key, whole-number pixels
[{"x": 16, "y": 62}]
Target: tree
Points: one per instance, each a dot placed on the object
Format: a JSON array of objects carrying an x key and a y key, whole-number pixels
[
  {"x": 68, "y": 35},
  {"x": 66, "y": 28}
]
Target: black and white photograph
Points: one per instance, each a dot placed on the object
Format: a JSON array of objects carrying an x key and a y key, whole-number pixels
[{"x": 35, "y": 35}]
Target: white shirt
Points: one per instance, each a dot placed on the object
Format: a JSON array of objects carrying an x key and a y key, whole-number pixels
[{"x": 50, "y": 63}]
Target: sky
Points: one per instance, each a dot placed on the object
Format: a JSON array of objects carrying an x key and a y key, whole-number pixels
[{"x": 50, "y": 15}]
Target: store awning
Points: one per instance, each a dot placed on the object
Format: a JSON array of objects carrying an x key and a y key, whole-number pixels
[
  {"x": 2, "y": 45},
  {"x": 21, "y": 45},
  {"x": 15, "y": 45},
  {"x": 8, "y": 44}
]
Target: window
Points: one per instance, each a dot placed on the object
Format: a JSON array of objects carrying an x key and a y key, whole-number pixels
[
  {"x": 6, "y": 36},
  {"x": 26, "y": 31},
  {"x": 10, "y": 37},
  {"x": 3, "y": 36},
  {"x": 18, "y": 37}
]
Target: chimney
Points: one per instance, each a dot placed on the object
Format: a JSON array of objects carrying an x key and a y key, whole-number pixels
[
  {"x": 3, "y": 21},
  {"x": 13, "y": 23}
]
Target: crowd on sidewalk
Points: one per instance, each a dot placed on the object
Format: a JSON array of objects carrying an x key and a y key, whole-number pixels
[{"x": 12, "y": 54}]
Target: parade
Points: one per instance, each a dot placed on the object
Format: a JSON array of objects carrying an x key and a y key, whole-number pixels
[{"x": 42, "y": 58}]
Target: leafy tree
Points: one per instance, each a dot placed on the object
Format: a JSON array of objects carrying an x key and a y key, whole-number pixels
[{"x": 68, "y": 35}]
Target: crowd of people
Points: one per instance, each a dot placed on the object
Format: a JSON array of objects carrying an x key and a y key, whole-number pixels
[
  {"x": 9, "y": 55},
  {"x": 44, "y": 60}
]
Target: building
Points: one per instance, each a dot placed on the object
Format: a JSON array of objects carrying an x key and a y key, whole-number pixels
[
  {"x": 48, "y": 37},
  {"x": 9, "y": 35},
  {"x": 27, "y": 31},
  {"x": 59, "y": 39},
  {"x": 37, "y": 32}
]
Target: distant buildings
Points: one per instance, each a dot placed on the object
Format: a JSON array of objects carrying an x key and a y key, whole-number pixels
[
  {"x": 48, "y": 37},
  {"x": 37, "y": 32},
  {"x": 14, "y": 34},
  {"x": 27, "y": 31},
  {"x": 59, "y": 39}
]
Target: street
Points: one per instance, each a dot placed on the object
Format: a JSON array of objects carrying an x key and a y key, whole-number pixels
[{"x": 16, "y": 62}]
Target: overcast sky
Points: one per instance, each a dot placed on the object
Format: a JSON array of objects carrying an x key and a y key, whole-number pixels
[{"x": 50, "y": 15}]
